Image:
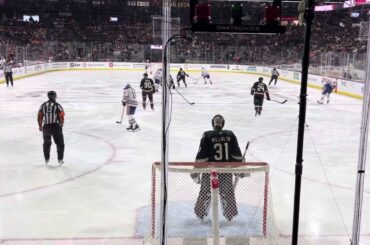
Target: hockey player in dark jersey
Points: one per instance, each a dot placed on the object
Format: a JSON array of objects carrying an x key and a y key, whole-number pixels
[
  {"x": 181, "y": 76},
  {"x": 259, "y": 90},
  {"x": 274, "y": 76},
  {"x": 148, "y": 89},
  {"x": 326, "y": 91},
  {"x": 217, "y": 145}
]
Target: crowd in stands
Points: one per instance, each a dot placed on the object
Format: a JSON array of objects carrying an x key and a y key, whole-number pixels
[{"x": 68, "y": 38}]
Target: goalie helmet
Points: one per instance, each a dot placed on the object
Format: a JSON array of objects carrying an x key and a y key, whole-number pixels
[
  {"x": 218, "y": 122},
  {"x": 52, "y": 95}
]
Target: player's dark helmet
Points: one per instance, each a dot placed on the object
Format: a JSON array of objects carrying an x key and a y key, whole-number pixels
[
  {"x": 260, "y": 79},
  {"x": 127, "y": 86},
  {"x": 218, "y": 122},
  {"x": 145, "y": 74},
  {"x": 52, "y": 95}
]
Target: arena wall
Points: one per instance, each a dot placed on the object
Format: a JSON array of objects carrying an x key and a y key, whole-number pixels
[{"x": 345, "y": 87}]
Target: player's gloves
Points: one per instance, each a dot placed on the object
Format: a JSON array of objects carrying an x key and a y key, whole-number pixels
[
  {"x": 268, "y": 98},
  {"x": 195, "y": 177},
  {"x": 123, "y": 103},
  {"x": 40, "y": 128},
  {"x": 252, "y": 93}
]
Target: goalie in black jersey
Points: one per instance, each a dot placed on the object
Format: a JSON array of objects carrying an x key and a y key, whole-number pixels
[
  {"x": 259, "y": 90},
  {"x": 217, "y": 145}
]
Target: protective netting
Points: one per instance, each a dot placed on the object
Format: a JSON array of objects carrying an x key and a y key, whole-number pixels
[{"x": 239, "y": 211}]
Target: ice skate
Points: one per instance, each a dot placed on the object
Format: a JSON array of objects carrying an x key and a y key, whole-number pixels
[{"x": 136, "y": 128}]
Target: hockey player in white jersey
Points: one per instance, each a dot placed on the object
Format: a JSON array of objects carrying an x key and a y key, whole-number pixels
[
  {"x": 205, "y": 75},
  {"x": 130, "y": 102},
  {"x": 158, "y": 79}
]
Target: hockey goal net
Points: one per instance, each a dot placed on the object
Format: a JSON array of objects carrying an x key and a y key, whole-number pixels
[{"x": 228, "y": 204}]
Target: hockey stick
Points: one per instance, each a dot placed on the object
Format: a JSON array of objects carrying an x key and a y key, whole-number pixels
[
  {"x": 123, "y": 111},
  {"x": 236, "y": 180},
  {"x": 190, "y": 103},
  {"x": 280, "y": 102},
  {"x": 195, "y": 79}
]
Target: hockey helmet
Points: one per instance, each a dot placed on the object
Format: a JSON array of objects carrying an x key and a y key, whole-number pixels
[
  {"x": 260, "y": 79},
  {"x": 52, "y": 95},
  {"x": 145, "y": 74},
  {"x": 218, "y": 122},
  {"x": 127, "y": 86}
]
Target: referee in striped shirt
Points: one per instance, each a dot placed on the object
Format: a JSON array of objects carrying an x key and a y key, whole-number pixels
[{"x": 51, "y": 119}]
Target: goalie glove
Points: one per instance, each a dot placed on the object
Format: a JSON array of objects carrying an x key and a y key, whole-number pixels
[{"x": 195, "y": 177}]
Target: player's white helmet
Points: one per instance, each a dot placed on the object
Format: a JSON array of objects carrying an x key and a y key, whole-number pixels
[{"x": 218, "y": 122}]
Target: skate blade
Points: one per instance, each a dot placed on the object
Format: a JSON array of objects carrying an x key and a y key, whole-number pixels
[{"x": 133, "y": 130}]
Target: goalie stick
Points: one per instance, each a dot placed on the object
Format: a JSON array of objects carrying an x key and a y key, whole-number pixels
[
  {"x": 190, "y": 103},
  {"x": 123, "y": 111},
  {"x": 236, "y": 180}
]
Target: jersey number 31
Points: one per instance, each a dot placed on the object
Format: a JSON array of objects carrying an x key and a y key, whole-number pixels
[{"x": 222, "y": 151}]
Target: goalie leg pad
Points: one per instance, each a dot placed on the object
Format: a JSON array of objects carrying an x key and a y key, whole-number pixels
[
  {"x": 202, "y": 205},
  {"x": 227, "y": 194}
]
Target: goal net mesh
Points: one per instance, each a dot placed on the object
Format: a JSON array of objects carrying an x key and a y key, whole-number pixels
[{"x": 241, "y": 207}]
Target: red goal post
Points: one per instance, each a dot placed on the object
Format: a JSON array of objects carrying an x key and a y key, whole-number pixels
[{"x": 254, "y": 207}]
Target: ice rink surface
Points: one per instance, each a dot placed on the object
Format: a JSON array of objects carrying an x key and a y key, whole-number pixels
[{"x": 94, "y": 197}]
